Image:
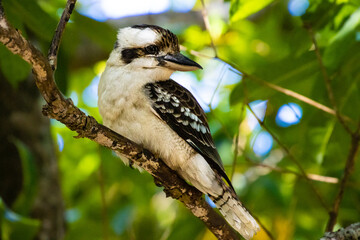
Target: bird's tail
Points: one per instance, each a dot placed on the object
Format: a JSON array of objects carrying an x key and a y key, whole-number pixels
[{"x": 235, "y": 214}]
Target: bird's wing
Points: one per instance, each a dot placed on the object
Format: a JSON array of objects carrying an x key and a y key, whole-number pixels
[{"x": 179, "y": 109}]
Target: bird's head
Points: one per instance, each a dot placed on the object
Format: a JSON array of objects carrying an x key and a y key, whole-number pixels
[{"x": 149, "y": 47}]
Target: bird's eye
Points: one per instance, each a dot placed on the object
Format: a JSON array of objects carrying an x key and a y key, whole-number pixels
[{"x": 152, "y": 49}]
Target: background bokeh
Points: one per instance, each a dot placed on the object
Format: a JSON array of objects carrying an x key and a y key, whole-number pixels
[{"x": 270, "y": 40}]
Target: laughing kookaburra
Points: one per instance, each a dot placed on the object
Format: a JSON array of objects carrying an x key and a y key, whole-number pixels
[{"x": 138, "y": 100}]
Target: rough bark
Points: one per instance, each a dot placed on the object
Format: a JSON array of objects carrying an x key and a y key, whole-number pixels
[{"x": 24, "y": 122}]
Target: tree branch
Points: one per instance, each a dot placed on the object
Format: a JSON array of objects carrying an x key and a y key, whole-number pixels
[
  {"x": 64, "y": 111},
  {"x": 351, "y": 232},
  {"x": 207, "y": 25},
  {"x": 327, "y": 80},
  {"x": 55, "y": 43},
  {"x": 349, "y": 168}
]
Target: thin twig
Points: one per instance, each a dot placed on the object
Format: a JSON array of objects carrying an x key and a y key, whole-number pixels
[
  {"x": 236, "y": 150},
  {"x": 55, "y": 43},
  {"x": 275, "y": 87},
  {"x": 327, "y": 80},
  {"x": 302, "y": 171},
  {"x": 314, "y": 177},
  {"x": 217, "y": 86},
  {"x": 237, "y": 147},
  {"x": 349, "y": 168},
  {"x": 207, "y": 25},
  {"x": 321, "y": 178},
  {"x": 195, "y": 53},
  {"x": 236, "y": 154}
]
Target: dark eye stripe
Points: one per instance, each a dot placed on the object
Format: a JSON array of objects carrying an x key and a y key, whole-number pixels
[{"x": 129, "y": 54}]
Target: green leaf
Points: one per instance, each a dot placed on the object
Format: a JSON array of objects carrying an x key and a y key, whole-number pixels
[
  {"x": 325, "y": 141},
  {"x": 337, "y": 51},
  {"x": 24, "y": 202},
  {"x": 36, "y": 19},
  {"x": 237, "y": 94},
  {"x": 104, "y": 36},
  {"x": 12, "y": 66},
  {"x": 294, "y": 73},
  {"x": 321, "y": 13},
  {"x": 14, "y": 226},
  {"x": 241, "y": 9}
]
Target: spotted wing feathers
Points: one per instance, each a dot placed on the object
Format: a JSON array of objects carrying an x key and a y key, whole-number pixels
[{"x": 180, "y": 110}]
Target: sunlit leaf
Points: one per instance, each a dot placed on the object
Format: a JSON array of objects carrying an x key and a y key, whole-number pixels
[
  {"x": 243, "y": 8},
  {"x": 337, "y": 50},
  {"x": 321, "y": 13}
]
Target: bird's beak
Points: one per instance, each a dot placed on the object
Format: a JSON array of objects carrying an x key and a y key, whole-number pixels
[{"x": 179, "y": 62}]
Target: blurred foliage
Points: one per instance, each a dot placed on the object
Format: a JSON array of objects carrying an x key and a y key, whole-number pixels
[
  {"x": 263, "y": 39},
  {"x": 14, "y": 226}
]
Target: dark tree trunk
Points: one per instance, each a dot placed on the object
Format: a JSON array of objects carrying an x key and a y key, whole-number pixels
[{"x": 21, "y": 119}]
